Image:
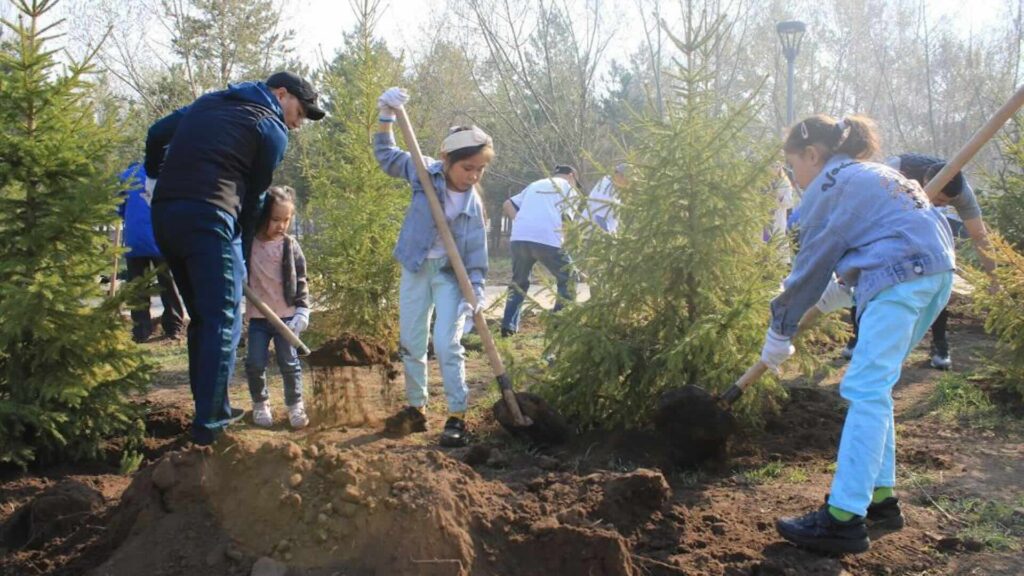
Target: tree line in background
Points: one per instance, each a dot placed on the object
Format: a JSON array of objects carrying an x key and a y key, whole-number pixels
[{"x": 697, "y": 106}]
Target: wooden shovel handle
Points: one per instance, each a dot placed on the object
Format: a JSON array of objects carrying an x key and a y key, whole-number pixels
[
  {"x": 979, "y": 139},
  {"x": 754, "y": 373},
  {"x": 497, "y": 366},
  {"x": 276, "y": 322}
]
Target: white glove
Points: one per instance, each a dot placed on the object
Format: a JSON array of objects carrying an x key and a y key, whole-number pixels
[
  {"x": 466, "y": 310},
  {"x": 835, "y": 297},
  {"x": 150, "y": 187},
  {"x": 300, "y": 321},
  {"x": 389, "y": 101},
  {"x": 777, "y": 349}
]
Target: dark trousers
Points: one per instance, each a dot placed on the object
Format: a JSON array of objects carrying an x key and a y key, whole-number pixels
[
  {"x": 203, "y": 248},
  {"x": 256, "y": 358},
  {"x": 524, "y": 256},
  {"x": 173, "y": 317},
  {"x": 939, "y": 342}
]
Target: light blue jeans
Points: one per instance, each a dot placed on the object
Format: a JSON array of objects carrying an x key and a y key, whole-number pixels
[
  {"x": 892, "y": 324},
  {"x": 420, "y": 294}
]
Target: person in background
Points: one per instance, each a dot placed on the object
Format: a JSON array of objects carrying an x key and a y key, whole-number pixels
[
  {"x": 603, "y": 200},
  {"x": 537, "y": 214},
  {"x": 144, "y": 255}
]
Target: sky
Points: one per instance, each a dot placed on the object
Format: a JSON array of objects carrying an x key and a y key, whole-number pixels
[{"x": 321, "y": 23}]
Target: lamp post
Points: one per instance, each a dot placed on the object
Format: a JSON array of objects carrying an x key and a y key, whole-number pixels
[{"x": 790, "y": 33}]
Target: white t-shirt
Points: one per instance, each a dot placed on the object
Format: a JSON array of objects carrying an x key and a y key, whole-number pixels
[
  {"x": 602, "y": 203},
  {"x": 454, "y": 203},
  {"x": 541, "y": 208}
]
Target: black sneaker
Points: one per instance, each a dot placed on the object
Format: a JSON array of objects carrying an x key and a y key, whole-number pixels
[
  {"x": 505, "y": 332},
  {"x": 455, "y": 434},
  {"x": 819, "y": 531},
  {"x": 886, "y": 514}
]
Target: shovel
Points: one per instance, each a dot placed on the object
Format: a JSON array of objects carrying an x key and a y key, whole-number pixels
[
  {"x": 276, "y": 322},
  {"x": 521, "y": 414},
  {"x": 698, "y": 423}
]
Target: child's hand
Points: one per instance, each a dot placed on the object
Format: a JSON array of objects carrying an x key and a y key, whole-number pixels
[
  {"x": 777, "y": 349},
  {"x": 392, "y": 99},
  {"x": 300, "y": 321},
  {"x": 464, "y": 307}
]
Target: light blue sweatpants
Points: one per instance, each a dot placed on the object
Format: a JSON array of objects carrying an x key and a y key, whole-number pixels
[
  {"x": 419, "y": 294},
  {"x": 892, "y": 324}
]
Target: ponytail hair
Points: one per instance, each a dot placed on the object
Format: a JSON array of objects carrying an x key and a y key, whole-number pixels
[
  {"x": 855, "y": 136},
  {"x": 276, "y": 195}
]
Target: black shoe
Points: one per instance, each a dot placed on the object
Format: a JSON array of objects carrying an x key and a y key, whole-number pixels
[
  {"x": 940, "y": 356},
  {"x": 886, "y": 514},
  {"x": 455, "y": 434},
  {"x": 505, "y": 332},
  {"x": 819, "y": 531},
  {"x": 408, "y": 421},
  {"x": 236, "y": 415}
]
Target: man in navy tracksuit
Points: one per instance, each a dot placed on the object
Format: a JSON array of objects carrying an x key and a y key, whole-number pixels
[
  {"x": 209, "y": 165},
  {"x": 143, "y": 254}
]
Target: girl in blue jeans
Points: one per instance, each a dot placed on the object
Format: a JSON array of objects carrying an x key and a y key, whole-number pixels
[
  {"x": 277, "y": 274},
  {"x": 877, "y": 231},
  {"x": 428, "y": 285}
]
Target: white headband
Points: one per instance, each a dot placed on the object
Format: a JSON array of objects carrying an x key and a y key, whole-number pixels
[{"x": 465, "y": 139}]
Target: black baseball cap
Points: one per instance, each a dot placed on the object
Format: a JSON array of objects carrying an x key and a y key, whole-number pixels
[
  {"x": 299, "y": 88},
  {"x": 565, "y": 169}
]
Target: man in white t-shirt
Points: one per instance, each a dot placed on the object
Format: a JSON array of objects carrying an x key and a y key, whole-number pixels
[{"x": 537, "y": 214}]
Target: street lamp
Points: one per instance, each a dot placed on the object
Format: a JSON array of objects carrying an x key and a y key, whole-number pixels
[{"x": 791, "y": 33}]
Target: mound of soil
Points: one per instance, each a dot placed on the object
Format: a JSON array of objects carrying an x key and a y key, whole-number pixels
[
  {"x": 697, "y": 428},
  {"x": 392, "y": 510},
  {"x": 55, "y": 512},
  {"x": 548, "y": 426},
  {"x": 350, "y": 350}
]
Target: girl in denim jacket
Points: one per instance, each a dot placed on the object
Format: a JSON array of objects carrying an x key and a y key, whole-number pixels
[
  {"x": 428, "y": 285},
  {"x": 877, "y": 231}
]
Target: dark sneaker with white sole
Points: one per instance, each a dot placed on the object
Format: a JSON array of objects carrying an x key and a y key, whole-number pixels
[
  {"x": 455, "y": 434},
  {"x": 940, "y": 356},
  {"x": 820, "y": 531}
]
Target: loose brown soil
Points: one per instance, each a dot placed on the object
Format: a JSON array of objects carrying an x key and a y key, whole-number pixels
[
  {"x": 350, "y": 350},
  {"x": 333, "y": 500}
]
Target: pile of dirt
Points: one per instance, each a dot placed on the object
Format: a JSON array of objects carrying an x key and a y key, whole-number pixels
[
  {"x": 350, "y": 350},
  {"x": 392, "y": 510}
]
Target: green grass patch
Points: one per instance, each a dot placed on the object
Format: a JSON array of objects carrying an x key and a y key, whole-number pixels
[
  {"x": 762, "y": 475},
  {"x": 997, "y": 525},
  {"x": 956, "y": 398}
]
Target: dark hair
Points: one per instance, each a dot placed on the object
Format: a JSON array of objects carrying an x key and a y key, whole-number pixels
[
  {"x": 953, "y": 188},
  {"x": 275, "y": 195},
  {"x": 463, "y": 153},
  {"x": 855, "y": 137}
]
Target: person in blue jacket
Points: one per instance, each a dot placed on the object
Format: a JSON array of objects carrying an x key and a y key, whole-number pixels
[
  {"x": 875, "y": 230},
  {"x": 209, "y": 165},
  {"x": 429, "y": 286},
  {"x": 143, "y": 254}
]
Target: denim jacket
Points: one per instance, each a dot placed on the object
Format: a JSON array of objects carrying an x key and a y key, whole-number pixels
[
  {"x": 418, "y": 230},
  {"x": 870, "y": 225}
]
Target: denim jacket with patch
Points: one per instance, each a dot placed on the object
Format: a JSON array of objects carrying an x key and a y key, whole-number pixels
[
  {"x": 418, "y": 230},
  {"x": 870, "y": 225}
]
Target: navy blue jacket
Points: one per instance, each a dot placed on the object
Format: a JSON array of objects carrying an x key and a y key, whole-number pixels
[
  {"x": 138, "y": 222},
  {"x": 222, "y": 149}
]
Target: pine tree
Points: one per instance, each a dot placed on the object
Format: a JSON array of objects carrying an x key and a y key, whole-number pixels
[
  {"x": 680, "y": 295},
  {"x": 67, "y": 364},
  {"x": 355, "y": 208}
]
